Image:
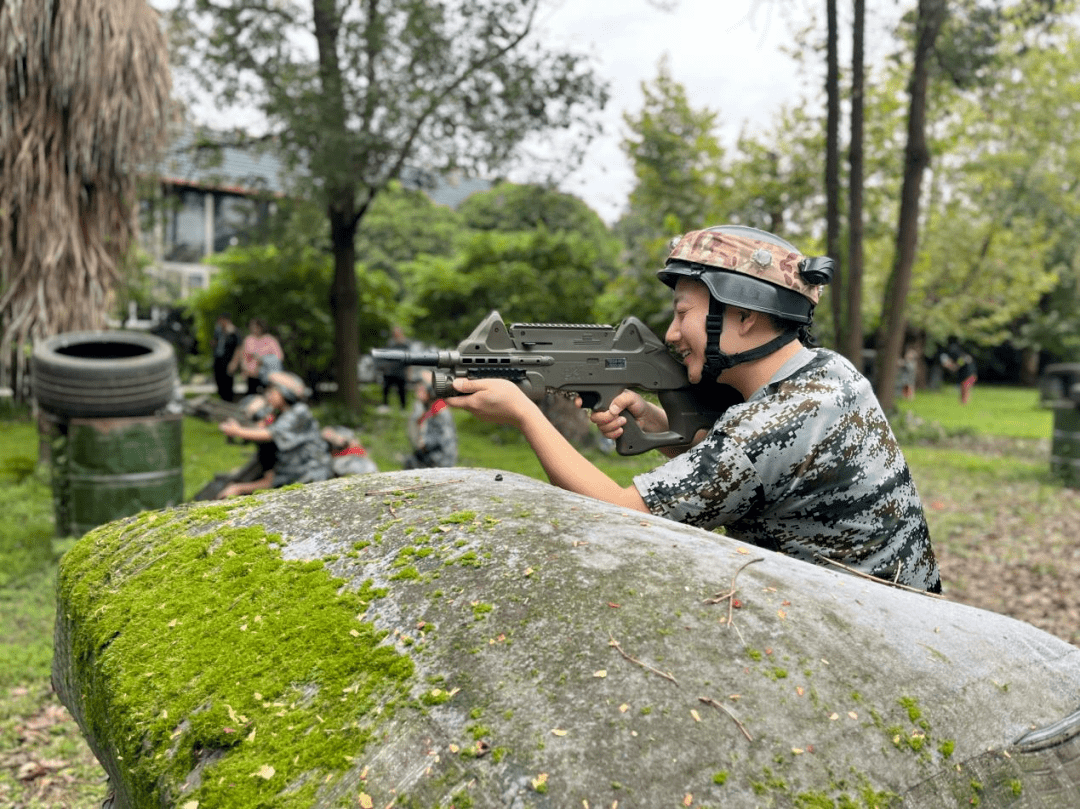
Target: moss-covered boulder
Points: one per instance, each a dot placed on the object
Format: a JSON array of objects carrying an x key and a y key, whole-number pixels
[{"x": 466, "y": 638}]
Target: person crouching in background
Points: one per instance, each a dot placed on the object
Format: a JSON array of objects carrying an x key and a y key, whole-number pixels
[{"x": 431, "y": 429}]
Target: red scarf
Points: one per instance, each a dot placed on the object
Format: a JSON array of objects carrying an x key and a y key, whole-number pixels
[
  {"x": 435, "y": 408},
  {"x": 351, "y": 451}
]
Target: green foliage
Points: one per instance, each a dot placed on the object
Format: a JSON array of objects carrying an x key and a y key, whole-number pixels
[
  {"x": 530, "y": 276},
  {"x": 402, "y": 224},
  {"x": 513, "y": 207}
]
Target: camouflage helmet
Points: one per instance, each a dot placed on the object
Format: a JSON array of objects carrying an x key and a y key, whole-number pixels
[
  {"x": 747, "y": 267},
  {"x": 289, "y": 385}
]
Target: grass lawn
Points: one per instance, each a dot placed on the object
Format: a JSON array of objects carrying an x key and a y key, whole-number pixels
[{"x": 982, "y": 470}]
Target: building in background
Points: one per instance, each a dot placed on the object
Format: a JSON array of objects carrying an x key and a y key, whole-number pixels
[{"x": 216, "y": 190}]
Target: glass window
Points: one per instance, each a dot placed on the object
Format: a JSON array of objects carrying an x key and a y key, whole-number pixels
[
  {"x": 185, "y": 230},
  {"x": 236, "y": 220}
]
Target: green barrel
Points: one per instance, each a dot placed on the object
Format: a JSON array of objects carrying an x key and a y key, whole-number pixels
[
  {"x": 1065, "y": 446},
  {"x": 118, "y": 467}
]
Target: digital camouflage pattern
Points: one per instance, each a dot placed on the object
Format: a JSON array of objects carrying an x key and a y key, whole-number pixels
[
  {"x": 809, "y": 467},
  {"x": 742, "y": 254},
  {"x": 303, "y": 456},
  {"x": 433, "y": 435}
]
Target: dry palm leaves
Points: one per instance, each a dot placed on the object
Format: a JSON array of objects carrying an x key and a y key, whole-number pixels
[{"x": 86, "y": 94}]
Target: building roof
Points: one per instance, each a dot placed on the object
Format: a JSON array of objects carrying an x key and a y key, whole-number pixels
[
  {"x": 228, "y": 161},
  {"x": 223, "y": 161}
]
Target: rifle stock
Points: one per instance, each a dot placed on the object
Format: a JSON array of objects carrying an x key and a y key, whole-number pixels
[{"x": 595, "y": 362}]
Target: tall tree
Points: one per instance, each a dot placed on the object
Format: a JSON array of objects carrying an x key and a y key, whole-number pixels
[
  {"x": 354, "y": 90},
  {"x": 86, "y": 95},
  {"x": 930, "y": 19},
  {"x": 850, "y": 336},
  {"x": 676, "y": 158},
  {"x": 832, "y": 164}
]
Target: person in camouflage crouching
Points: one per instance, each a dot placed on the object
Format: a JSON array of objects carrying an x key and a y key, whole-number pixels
[
  {"x": 298, "y": 452},
  {"x": 432, "y": 432},
  {"x": 806, "y": 465}
]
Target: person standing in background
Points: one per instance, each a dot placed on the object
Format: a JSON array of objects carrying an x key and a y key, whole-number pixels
[
  {"x": 226, "y": 341},
  {"x": 394, "y": 373},
  {"x": 258, "y": 344},
  {"x": 959, "y": 362}
]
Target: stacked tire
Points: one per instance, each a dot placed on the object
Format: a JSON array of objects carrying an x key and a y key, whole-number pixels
[
  {"x": 114, "y": 451},
  {"x": 88, "y": 374}
]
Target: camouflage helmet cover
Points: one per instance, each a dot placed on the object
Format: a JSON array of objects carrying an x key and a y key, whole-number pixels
[
  {"x": 762, "y": 270},
  {"x": 289, "y": 385}
]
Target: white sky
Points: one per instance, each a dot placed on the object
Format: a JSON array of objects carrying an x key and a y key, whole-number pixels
[{"x": 726, "y": 54}]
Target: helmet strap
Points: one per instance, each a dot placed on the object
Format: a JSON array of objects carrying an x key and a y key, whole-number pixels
[{"x": 716, "y": 361}]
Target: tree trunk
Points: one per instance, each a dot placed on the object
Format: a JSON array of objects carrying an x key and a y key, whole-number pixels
[
  {"x": 344, "y": 300},
  {"x": 853, "y": 327},
  {"x": 341, "y": 208},
  {"x": 832, "y": 174},
  {"x": 916, "y": 158}
]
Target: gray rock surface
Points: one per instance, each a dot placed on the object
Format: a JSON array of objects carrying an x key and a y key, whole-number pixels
[{"x": 551, "y": 651}]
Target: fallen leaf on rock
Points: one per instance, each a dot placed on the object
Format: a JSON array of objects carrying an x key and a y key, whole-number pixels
[
  {"x": 266, "y": 772},
  {"x": 558, "y": 732},
  {"x": 365, "y": 801}
]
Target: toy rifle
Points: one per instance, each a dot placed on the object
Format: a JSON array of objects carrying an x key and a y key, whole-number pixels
[{"x": 592, "y": 361}]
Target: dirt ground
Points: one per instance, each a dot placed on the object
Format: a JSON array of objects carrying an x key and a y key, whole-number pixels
[{"x": 1011, "y": 548}]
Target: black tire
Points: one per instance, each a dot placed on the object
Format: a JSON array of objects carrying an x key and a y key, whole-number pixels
[{"x": 102, "y": 374}]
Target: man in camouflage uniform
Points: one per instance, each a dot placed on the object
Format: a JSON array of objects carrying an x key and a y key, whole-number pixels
[
  {"x": 300, "y": 454},
  {"x": 807, "y": 465}
]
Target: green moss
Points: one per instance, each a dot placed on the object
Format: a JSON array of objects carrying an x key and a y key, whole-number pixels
[
  {"x": 467, "y": 559},
  {"x": 436, "y": 696},
  {"x": 912, "y": 708},
  {"x": 246, "y": 646},
  {"x": 459, "y": 518},
  {"x": 480, "y": 609},
  {"x": 720, "y": 777},
  {"x": 461, "y": 800},
  {"x": 1016, "y": 787},
  {"x": 405, "y": 574},
  {"x": 814, "y": 800},
  {"x": 946, "y": 748},
  {"x": 754, "y": 655}
]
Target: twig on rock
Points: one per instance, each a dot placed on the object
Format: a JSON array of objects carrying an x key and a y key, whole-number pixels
[
  {"x": 724, "y": 708},
  {"x": 730, "y": 595},
  {"x": 664, "y": 674},
  {"x": 886, "y": 582}
]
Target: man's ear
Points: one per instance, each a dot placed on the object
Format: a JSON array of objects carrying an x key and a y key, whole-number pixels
[{"x": 747, "y": 319}]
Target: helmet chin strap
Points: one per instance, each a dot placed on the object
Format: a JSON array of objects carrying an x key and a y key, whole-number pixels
[{"x": 717, "y": 361}]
